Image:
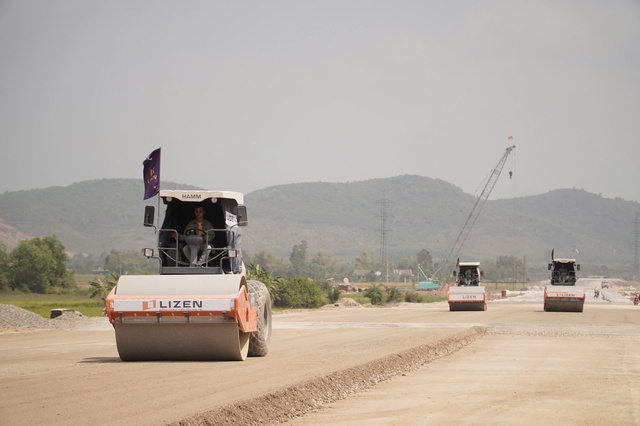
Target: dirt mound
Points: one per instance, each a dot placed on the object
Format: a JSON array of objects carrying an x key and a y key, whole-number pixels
[
  {"x": 297, "y": 400},
  {"x": 14, "y": 319},
  {"x": 18, "y": 320},
  {"x": 344, "y": 303},
  {"x": 349, "y": 303}
]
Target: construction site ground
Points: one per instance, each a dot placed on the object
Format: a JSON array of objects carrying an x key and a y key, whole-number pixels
[{"x": 410, "y": 364}]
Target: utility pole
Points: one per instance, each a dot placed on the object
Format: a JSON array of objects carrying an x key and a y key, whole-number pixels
[
  {"x": 636, "y": 261},
  {"x": 383, "y": 235}
]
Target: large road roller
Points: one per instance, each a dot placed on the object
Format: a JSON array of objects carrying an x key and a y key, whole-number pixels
[
  {"x": 200, "y": 306},
  {"x": 468, "y": 294},
  {"x": 563, "y": 295}
]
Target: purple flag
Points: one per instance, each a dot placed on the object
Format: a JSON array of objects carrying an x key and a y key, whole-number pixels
[{"x": 151, "y": 174}]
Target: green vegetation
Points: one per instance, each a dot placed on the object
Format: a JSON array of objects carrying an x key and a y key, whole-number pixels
[
  {"x": 288, "y": 292},
  {"x": 273, "y": 284},
  {"x": 101, "y": 288},
  {"x": 91, "y": 217},
  {"x": 413, "y": 298},
  {"x": 393, "y": 295},
  {"x": 358, "y": 297},
  {"x": 34, "y": 276},
  {"x": 121, "y": 262},
  {"x": 334, "y": 294},
  {"x": 42, "y": 304},
  {"x": 4, "y": 267},
  {"x": 430, "y": 299},
  {"x": 339, "y": 220},
  {"x": 38, "y": 265},
  {"x": 375, "y": 294},
  {"x": 298, "y": 292}
]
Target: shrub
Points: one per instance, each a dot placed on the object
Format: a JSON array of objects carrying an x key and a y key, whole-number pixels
[
  {"x": 334, "y": 294},
  {"x": 393, "y": 295},
  {"x": 413, "y": 298},
  {"x": 374, "y": 294},
  {"x": 298, "y": 292},
  {"x": 256, "y": 272},
  {"x": 39, "y": 265}
]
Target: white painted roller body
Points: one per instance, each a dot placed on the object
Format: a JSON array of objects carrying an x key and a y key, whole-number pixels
[
  {"x": 564, "y": 298},
  {"x": 467, "y": 298}
]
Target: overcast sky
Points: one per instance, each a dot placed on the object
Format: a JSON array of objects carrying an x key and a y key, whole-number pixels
[{"x": 245, "y": 95}]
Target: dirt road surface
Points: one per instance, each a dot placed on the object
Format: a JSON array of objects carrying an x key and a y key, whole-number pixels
[{"x": 412, "y": 364}]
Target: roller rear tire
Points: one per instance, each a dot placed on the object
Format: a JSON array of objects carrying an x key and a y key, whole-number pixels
[{"x": 259, "y": 341}]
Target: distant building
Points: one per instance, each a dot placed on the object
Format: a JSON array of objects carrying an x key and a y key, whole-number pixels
[
  {"x": 361, "y": 274},
  {"x": 404, "y": 275}
]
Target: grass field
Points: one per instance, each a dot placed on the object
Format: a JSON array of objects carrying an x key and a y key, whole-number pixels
[{"x": 42, "y": 304}]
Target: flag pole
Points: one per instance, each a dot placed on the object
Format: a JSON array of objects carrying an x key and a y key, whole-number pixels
[{"x": 159, "y": 226}]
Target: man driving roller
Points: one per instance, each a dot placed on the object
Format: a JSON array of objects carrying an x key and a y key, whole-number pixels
[{"x": 199, "y": 226}]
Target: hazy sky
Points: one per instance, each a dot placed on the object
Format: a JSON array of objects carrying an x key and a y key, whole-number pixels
[{"x": 244, "y": 95}]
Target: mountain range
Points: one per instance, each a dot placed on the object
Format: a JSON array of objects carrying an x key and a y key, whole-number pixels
[{"x": 408, "y": 213}]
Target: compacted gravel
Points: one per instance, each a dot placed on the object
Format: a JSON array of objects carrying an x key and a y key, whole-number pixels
[{"x": 343, "y": 365}]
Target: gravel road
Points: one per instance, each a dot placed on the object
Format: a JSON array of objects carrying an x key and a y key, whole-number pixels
[{"x": 408, "y": 364}]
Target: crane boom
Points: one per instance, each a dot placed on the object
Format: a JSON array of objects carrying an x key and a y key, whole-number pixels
[{"x": 477, "y": 208}]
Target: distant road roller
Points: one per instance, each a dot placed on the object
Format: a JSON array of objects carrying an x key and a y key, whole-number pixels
[
  {"x": 201, "y": 305},
  {"x": 468, "y": 294},
  {"x": 562, "y": 295}
]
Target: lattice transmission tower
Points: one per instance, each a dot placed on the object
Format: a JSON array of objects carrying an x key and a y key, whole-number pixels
[{"x": 384, "y": 259}]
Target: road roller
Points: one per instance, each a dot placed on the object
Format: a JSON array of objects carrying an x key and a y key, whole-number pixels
[
  {"x": 467, "y": 294},
  {"x": 200, "y": 306},
  {"x": 563, "y": 295}
]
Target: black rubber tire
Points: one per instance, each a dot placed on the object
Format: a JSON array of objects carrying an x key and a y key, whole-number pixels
[{"x": 259, "y": 341}]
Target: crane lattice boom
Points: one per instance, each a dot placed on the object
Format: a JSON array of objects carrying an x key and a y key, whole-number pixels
[{"x": 477, "y": 208}]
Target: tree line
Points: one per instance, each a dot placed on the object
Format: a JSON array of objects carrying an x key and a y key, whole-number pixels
[
  {"x": 322, "y": 266},
  {"x": 37, "y": 265},
  {"x": 41, "y": 265}
]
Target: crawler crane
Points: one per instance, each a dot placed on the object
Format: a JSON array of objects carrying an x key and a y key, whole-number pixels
[{"x": 460, "y": 293}]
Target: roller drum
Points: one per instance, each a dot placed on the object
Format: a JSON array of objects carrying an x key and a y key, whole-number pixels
[
  {"x": 177, "y": 318},
  {"x": 180, "y": 342}
]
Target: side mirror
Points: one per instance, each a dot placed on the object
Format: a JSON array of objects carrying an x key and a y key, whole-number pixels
[
  {"x": 149, "y": 212},
  {"x": 454, "y": 273},
  {"x": 578, "y": 267},
  {"x": 549, "y": 267},
  {"x": 243, "y": 220},
  {"x": 482, "y": 273}
]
